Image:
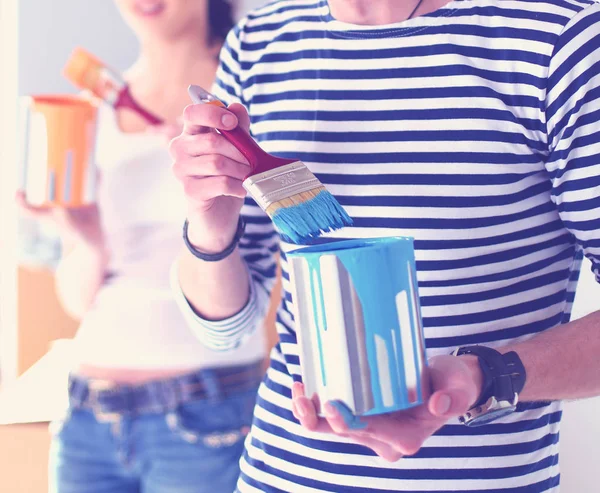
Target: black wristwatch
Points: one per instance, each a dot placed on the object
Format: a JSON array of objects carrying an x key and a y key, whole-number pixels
[{"x": 503, "y": 379}]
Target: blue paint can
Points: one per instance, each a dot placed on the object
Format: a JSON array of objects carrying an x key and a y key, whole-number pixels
[{"x": 358, "y": 323}]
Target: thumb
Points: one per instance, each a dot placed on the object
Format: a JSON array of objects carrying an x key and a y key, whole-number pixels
[
  {"x": 242, "y": 115},
  {"x": 453, "y": 386},
  {"x": 450, "y": 403}
]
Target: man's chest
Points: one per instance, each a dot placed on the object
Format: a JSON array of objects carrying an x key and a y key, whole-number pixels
[{"x": 403, "y": 141}]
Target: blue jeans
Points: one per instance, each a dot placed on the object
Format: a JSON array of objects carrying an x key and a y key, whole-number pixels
[{"x": 192, "y": 449}]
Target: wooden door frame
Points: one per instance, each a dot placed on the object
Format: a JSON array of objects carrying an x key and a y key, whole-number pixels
[{"x": 8, "y": 180}]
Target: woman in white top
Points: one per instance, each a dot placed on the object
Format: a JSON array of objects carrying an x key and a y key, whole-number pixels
[{"x": 152, "y": 409}]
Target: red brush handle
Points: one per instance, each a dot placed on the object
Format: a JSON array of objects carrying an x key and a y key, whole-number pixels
[
  {"x": 260, "y": 160},
  {"x": 125, "y": 100}
]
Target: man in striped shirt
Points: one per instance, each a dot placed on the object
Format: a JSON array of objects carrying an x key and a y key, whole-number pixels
[{"x": 472, "y": 126}]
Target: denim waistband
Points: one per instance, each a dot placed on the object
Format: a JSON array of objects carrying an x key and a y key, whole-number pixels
[{"x": 109, "y": 400}]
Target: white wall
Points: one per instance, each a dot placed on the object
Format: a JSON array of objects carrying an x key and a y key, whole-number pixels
[
  {"x": 8, "y": 216},
  {"x": 49, "y": 29}
]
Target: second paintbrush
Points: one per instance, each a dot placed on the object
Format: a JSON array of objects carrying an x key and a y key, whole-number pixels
[
  {"x": 86, "y": 72},
  {"x": 299, "y": 205}
]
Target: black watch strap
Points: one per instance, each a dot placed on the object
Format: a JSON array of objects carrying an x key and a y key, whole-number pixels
[
  {"x": 503, "y": 374},
  {"x": 214, "y": 257}
]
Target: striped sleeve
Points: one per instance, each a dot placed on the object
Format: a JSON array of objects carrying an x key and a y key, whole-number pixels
[
  {"x": 228, "y": 86},
  {"x": 222, "y": 335},
  {"x": 573, "y": 125},
  {"x": 258, "y": 246}
]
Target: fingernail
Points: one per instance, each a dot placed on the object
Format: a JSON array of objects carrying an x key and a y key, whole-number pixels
[
  {"x": 228, "y": 121},
  {"x": 444, "y": 403}
]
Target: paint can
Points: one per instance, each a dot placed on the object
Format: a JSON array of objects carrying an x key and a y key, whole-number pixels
[
  {"x": 358, "y": 323},
  {"x": 58, "y": 134}
]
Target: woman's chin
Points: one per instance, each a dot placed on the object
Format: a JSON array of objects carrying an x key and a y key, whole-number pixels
[{"x": 149, "y": 9}]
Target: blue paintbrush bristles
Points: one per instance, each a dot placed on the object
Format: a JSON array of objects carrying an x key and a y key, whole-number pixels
[{"x": 311, "y": 218}]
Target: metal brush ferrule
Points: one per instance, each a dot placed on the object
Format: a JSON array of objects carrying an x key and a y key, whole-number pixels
[
  {"x": 280, "y": 183},
  {"x": 200, "y": 95},
  {"x": 111, "y": 85}
]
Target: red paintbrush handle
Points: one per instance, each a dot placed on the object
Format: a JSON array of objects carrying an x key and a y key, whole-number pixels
[
  {"x": 259, "y": 160},
  {"x": 125, "y": 100}
]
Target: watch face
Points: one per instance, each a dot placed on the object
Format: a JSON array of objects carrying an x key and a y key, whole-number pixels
[
  {"x": 490, "y": 415},
  {"x": 488, "y": 412}
]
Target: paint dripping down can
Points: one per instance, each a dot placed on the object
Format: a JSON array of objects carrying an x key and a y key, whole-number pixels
[
  {"x": 58, "y": 144},
  {"x": 358, "y": 323}
]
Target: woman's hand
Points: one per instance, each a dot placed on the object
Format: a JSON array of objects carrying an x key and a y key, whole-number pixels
[
  {"x": 80, "y": 225},
  {"x": 82, "y": 268},
  {"x": 455, "y": 387}
]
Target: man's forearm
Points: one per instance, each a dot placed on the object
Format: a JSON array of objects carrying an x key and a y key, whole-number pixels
[
  {"x": 562, "y": 363},
  {"x": 216, "y": 290}
]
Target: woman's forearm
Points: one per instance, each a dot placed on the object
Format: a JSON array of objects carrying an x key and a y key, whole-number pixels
[{"x": 79, "y": 276}]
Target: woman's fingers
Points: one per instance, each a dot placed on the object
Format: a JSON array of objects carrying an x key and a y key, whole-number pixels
[{"x": 29, "y": 209}]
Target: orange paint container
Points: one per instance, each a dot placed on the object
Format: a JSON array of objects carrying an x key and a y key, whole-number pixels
[{"x": 58, "y": 150}]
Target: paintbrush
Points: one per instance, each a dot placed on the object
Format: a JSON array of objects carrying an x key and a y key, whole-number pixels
[
  {"x": 292, "y": 196},
  {"x": 85, "y": 71}
]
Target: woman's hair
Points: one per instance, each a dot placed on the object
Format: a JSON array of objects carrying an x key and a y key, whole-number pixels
[{"x": 220, "y": 19}]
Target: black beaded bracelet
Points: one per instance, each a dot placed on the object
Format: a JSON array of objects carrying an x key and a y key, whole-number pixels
[{"x": 214, "y": 257}]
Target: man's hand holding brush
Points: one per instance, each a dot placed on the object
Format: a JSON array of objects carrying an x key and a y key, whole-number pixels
[{"x": 211, "y": 171}]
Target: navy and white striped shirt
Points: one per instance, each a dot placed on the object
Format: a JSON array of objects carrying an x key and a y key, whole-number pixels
[{"x": 474, "y": 129}]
